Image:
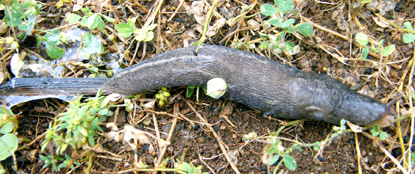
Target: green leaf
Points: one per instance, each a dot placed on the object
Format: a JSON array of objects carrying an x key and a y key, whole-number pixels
[
  {"x": 125, "y": 30},
  {"x": 317, "y": 147},
  {"x": 281, "y": 24},
  {"x": 151, "y": 27},
  {"x": 408, "y": 26},
  {"x": 276, "y": 22},
  {"x": 263, "y": 46},
  {"x": 15, "y": 16},
  {"x": 289, "y": 22},
  {"x": 289, "y": 162},
  {"x": 87, "y": 11},
  {"x": 305, "y": 29},
  {"x": 91, "y": 45},
  {"x": 289, "y": 46},
  {"x": 286, "y": 6},
  {"x": 272, "y": 150},
  {"x": 262, "y": 35},
  {"x": 342, "y": 122},
  {"x": 73, "y": 18},
  {"x": 268, "y": 9},
  {"x": 278, "y": 2},
  {"x": 388, "y": 50},
  {"x": 375, "y": 131},
  {"x": 274, "y": 159},
  {"x": 7, "y": 128},
  {"x": 149, "y": 36},
  {"x": 5, "y": 111},
  {"x": 362, "y": 39},
  {"x": 8, "y": 145},
  {"x": 189, "y": 90},
  {"x": 52, "y": 37},
  {"x": 408, "y": 38},
  {"x": 84, "y": 21},
  {"x": 54, "y": 52},
  {"x": 95, "y": 21},
  {"x": 29, "y": 24},
  {"x": 109, "y": 19},
  {"x": 289, "y": 30},
  {"x": 383, "y": 135},
  {"x": 365, "y": 52}
]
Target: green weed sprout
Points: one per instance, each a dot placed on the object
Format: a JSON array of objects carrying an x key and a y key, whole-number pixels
[
  {"x": 144, "y": 34},
  {"x": 377, "y": 132},
  {"x": 275, "y": 153},
  {"x": 188, "y": 168},
  {"x": 8, "y": 140},
  {"x": 22, "y": 15},
  {"x": 163, "y": 96},
  {"x": 90, "y": 20},
  {"x": 48, "y": 160},
  {"x": 410, "y": 36},
  {"x": 279, "y": 18},
  {"x": 377, "y": 47},
  {"x": 77, "y": 126}
]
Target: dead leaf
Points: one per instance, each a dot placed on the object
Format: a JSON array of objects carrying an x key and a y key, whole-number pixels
[
  {"x": 16, "y": 63},
  {"x": 196, "y": 8},
  {"x": 381, "y": 22},
  {"x": 354, "y": 128},
  {"x": 78, "y": 5},
  {"x": 213, "y": 30}
]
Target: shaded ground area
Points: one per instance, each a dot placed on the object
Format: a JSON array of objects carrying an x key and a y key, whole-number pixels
[{"x": 192, "y": 141}]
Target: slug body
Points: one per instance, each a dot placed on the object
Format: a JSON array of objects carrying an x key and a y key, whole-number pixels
[{"x": 262, "y": 84}]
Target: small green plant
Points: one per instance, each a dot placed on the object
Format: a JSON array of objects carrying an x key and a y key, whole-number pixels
[
  {"x": 21, "y": 15},
  {"x": 52, "y": 40},
  {"x": 8, "y": 140},
  {"x": 190, "y": 90},
  {"x": 63, "y": 162},
  {"x": 409, "y": 37},
  {"x": 274, "y": 151},
  {"x": 163, "y": 96},
  {"x": 188, "y": 168},
  {"x": 144, "y": 34},
  {"x": 377, "y": 132},
  {"x": 279, "y": 17},
  {"x": 377, "y": 47},
  {"x": 55, "y": 39},
  {"x": 90, "y": 20},
  {"x": 76, "y": 127}
]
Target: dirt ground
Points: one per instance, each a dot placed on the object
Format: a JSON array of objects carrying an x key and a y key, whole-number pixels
[{"x": 193, "y": 142}]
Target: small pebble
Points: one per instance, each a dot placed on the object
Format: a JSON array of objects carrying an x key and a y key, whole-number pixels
[
  {"x": 200, "y": 140},
  {"x": 396, "y": 152},
  {"x": 215, "y": 128}
]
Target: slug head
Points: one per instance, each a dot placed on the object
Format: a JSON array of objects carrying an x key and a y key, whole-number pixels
[
  {"x": 363, "y": 110},
  {"x": 322, "y": 98},
  {"x": 356, "y": 108}
]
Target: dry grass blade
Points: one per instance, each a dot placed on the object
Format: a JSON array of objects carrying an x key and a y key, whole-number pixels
[
  {"x": 168, "y": 140},
  {"x": 225, "y": 152}
]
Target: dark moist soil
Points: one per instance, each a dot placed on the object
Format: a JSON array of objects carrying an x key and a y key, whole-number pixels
[{"x": 196, "y": 144}]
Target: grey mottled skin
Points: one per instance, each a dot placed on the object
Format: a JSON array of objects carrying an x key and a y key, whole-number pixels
[{"x": 255, "y": 81}]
